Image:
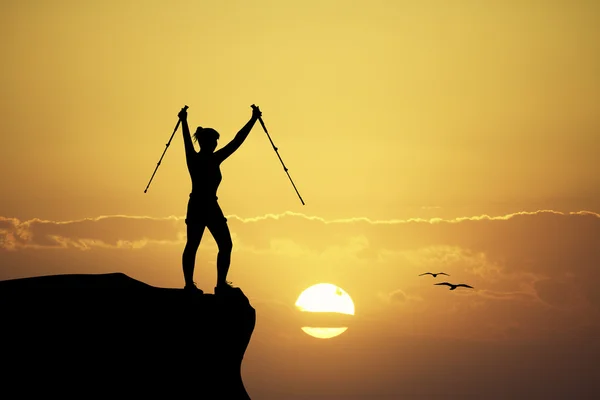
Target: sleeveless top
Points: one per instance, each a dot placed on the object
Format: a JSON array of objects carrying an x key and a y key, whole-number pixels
[{"x": 205, "y": 173}]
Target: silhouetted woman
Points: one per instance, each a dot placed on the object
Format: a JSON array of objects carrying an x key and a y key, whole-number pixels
[{"x": 203, "y": 210}]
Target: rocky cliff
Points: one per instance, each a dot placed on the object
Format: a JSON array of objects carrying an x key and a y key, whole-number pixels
[{"x": 109, "y": 334}]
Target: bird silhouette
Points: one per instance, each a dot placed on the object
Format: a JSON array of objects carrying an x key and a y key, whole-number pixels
[
  {"x": 453, "y": 286},
  {"x": 434, "y": 274}
]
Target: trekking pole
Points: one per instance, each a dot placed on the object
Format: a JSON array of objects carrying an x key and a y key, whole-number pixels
[
  {"x": 275, "y": 148},
  {"x": 163, "y": 154}
]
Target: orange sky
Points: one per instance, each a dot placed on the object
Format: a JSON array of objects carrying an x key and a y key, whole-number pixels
[{"x": 402, "y": 125}]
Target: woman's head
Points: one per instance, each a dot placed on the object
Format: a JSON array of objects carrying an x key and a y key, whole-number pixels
[{"x": 206, "y": 138}]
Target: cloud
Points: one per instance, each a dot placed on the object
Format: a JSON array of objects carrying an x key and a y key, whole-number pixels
[
  {"x": 400, "y": 297},
  {"x": 522, "y": 248},
  {"x": 380, "y": 234},
  {"x": 529, "y": 269},
  {"x": 507, "y": 296},
  {"x": 558, "y": 293},
  {"x": 116, "y": 231}
]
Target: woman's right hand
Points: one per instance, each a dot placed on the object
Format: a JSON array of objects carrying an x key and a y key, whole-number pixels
[{"x": 183, "y": 113}]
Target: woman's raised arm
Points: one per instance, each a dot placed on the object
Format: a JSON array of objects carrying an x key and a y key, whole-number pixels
[
  {"x": 187, "y": 138},
  {"x": 237, "y": 141}
]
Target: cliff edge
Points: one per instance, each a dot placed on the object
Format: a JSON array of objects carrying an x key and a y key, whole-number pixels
[{"x": 82, "y": 335}]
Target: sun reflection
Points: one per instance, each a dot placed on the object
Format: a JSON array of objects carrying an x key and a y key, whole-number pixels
[{"x": 323, "y": 333}]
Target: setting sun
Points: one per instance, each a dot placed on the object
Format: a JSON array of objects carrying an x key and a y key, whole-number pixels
[{"x": 325, "y": 298}]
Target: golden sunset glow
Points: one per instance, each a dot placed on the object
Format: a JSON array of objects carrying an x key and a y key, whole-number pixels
[{"x": 458, "y": 136}]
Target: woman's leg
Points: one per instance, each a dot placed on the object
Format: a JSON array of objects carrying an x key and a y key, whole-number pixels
[
  {"x": 194, "y": 236},
  {"x": 221, "y": 234}
]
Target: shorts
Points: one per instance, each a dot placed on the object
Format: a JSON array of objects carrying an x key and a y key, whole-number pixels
[{"x": 204, "y": 212}]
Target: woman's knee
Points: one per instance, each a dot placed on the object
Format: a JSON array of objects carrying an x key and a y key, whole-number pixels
[
  {"x": 225, "y": 245},
  {"x": 191, "y": 245}
]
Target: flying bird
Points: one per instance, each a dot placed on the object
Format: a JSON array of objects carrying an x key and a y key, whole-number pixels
[
  {"x": 453, "y": 286},
  {"x": 434, "y": 274}
]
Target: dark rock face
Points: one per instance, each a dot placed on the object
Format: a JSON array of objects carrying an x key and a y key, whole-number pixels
[{"x": 86, "y": 335}]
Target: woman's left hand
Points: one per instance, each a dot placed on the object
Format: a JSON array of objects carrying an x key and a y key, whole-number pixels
[{"x": 256, "y": 113}]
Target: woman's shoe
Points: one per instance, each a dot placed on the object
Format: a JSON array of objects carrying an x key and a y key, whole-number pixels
[{"x": 192, "y": 288}]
